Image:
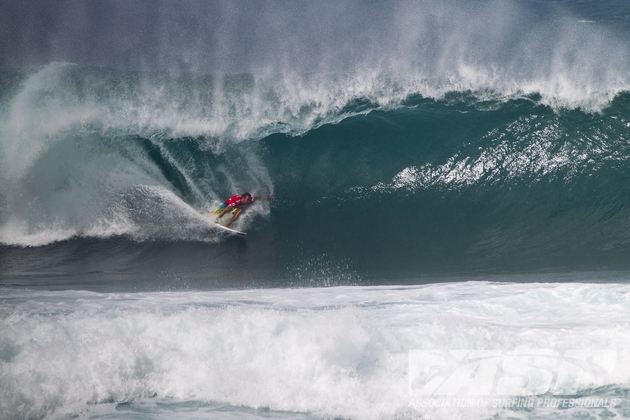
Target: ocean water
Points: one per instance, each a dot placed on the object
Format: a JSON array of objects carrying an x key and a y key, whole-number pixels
[{"x": 450, "y": 238}]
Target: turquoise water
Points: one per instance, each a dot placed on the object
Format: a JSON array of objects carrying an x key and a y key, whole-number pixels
[{"x": 466, "y": 182}]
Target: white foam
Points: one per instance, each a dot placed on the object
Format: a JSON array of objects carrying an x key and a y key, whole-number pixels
[
  {"x": 17, "y": 232},
  {"x": 335, "y": 352}
]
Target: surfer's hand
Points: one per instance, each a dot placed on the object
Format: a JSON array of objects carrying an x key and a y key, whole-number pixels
[{"x": 272, "y": 197}]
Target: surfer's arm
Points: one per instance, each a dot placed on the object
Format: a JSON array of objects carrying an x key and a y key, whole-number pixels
[{"x": 262, "y": 197}]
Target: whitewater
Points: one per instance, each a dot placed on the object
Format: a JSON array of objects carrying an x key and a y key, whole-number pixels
[
  {"x": 450, "y": 238},
  {"x": 296, "y": 353}
]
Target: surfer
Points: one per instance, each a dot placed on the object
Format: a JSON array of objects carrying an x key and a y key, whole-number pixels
[{"x": 236, "y": 205}]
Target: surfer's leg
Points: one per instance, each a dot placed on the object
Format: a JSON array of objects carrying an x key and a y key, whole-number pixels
[
  {"x": 219, "y": 209},
  {"x": 236, "y": 213}
]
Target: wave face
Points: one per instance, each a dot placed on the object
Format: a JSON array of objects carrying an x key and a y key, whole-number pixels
[
  {"x": 377, "y": 177},
  {"x": 484, "y": 138}
]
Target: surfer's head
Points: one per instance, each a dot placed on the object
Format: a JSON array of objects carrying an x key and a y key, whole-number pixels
[{"x": 246, "y": 197}]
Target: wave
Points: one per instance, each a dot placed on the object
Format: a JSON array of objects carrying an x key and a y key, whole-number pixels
[{"x": 469, "y": 178}]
